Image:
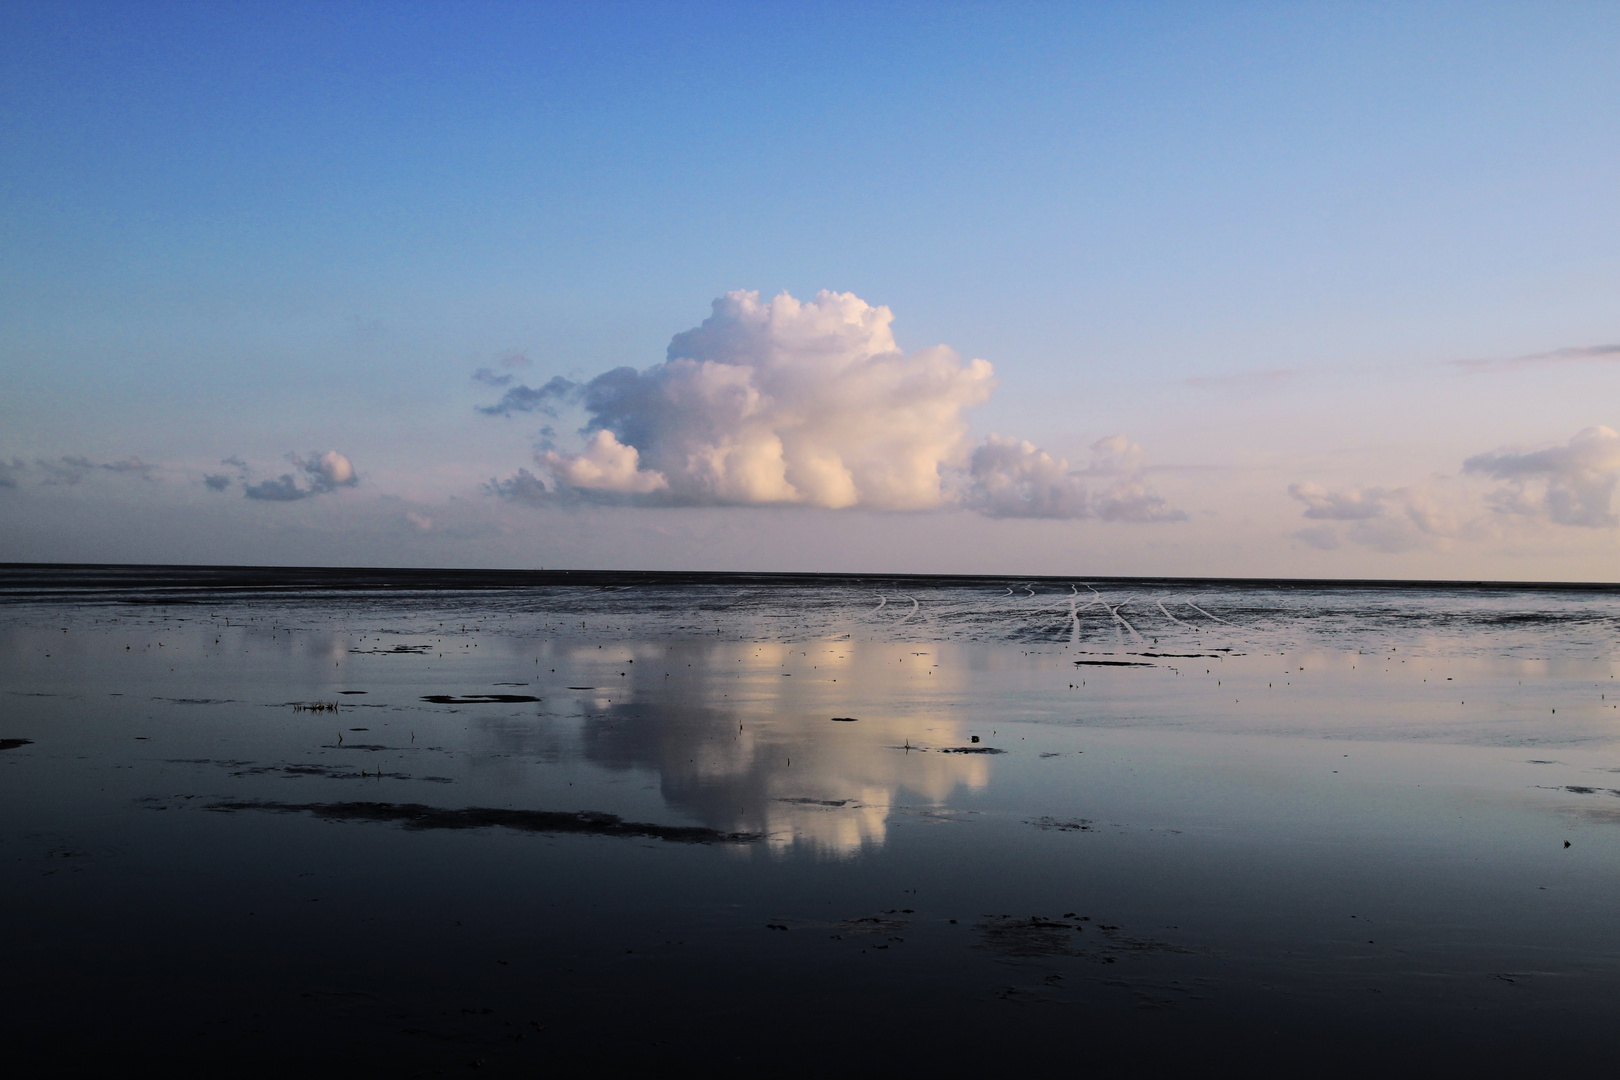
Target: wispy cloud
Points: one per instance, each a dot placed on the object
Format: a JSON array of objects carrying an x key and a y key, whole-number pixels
[
  {"x": 71, "y": 469},
  {"x": 221, "y": 481},
  {"x": 527, "y": 399},
  {"x": 132, "y": 466},
  {"x": 511, "y": 361},
  {"x": 489, "y": 377},
  {"x": 1572, "y": 354}
]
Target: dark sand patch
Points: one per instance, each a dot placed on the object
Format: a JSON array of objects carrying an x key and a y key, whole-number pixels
[
  {"x": 1062, "y": 824},
  {"x": 417, "y": 817},
  {"x": 970, "y": 750},
  {"x": 870, "y": 924},
  {"x": 1029, "y": 937},
  {"x": 326, "y": 771},
  {"x": 479, "y": 699},
  {"x": 1111, "y": 663}
]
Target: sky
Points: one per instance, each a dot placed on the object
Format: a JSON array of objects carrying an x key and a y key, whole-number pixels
[{"x": 1306, "y": 290}]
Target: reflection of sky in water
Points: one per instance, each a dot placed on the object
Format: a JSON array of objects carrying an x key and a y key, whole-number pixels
[{"x": 741, "y": 743}]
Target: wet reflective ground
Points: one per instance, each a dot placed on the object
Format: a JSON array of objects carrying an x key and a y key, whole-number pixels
[{"x": 790, "y": 824}]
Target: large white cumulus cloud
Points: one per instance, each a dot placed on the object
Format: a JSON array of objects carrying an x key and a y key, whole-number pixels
[{"x": 783, "y": 401}]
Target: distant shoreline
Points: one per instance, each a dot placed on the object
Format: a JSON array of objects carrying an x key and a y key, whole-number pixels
[{"x": 21, "y": 581}]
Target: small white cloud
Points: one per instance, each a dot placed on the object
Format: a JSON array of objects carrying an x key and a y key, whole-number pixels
[
  {"x": 422, "y": 522},
  {"x": 1009, "y": 478},
  {"x": 1129, "y": 497},
  {"x": 333, "y": 469},
  {"x": 1133, "y": 500}
]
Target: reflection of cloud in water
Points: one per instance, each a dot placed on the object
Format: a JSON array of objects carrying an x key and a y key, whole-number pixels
[{"x": 744, "y": 749}]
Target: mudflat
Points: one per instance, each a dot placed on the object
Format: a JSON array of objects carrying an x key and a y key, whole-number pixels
[{"x": 417, "y": 821}]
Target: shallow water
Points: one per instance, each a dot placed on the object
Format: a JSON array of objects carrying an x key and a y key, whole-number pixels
[{"x": 419, "y": 821}]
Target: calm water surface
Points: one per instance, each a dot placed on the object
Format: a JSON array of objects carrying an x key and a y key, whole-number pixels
[{"x": 424, "y": 822}]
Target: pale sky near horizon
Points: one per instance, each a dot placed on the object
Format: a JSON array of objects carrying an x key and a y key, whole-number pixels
[{"x": 1320, "y": 290}]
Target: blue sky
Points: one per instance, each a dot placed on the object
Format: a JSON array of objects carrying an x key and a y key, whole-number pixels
[{"x": 1256, "y": 239}]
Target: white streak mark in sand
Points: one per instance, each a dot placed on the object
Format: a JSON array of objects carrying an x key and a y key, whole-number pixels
[
  {"x": 1172, "y": 618},
  {"x": 1201, "y": 611}
]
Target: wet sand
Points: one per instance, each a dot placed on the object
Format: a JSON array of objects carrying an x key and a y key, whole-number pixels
[{"x": 261, "y": 821}]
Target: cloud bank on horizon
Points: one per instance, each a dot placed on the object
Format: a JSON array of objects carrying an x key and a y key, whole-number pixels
[
  {"x": 1570, "y": 485},
  {"x": 785, "y": 402}
]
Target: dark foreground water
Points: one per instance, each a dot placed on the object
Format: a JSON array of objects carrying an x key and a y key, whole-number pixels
[{"x": 414, "y": 823}]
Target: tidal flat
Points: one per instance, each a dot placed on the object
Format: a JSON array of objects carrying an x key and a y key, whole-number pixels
[{"x": 417, "y": 822}]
